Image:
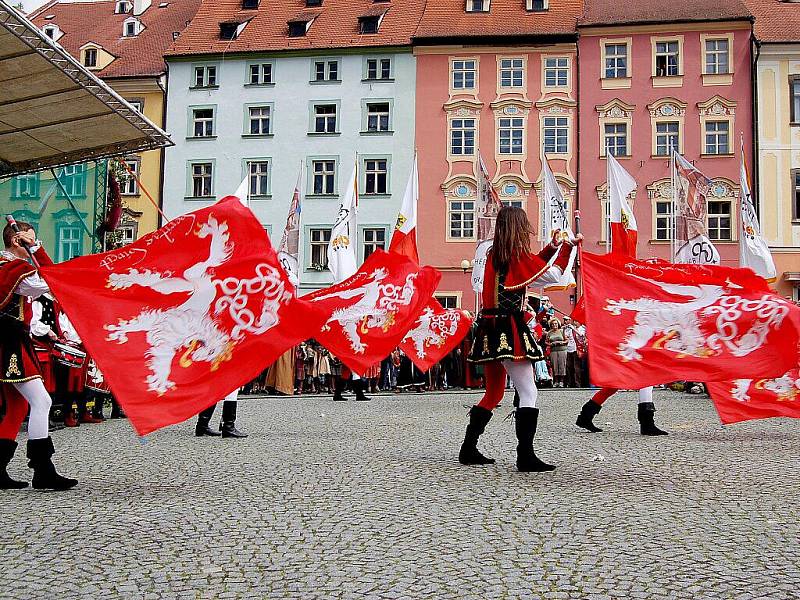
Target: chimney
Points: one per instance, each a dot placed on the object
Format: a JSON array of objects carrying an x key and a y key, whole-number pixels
[{"x": 139, "y": 6}]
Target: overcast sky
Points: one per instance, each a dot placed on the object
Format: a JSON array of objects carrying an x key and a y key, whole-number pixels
[{"x": 29, "y": 4}]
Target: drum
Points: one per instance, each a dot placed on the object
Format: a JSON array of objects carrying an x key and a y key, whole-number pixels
[
  {"x": 46, "y": 367},
  {"x": 69, "y": 356},
  {"x": 95, "y": 380}
]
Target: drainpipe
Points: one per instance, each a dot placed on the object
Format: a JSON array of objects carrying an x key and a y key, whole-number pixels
[
  {"x": 163, "y": 158},
  {"x": 756, "y": 146},
  {"x": 578, "y": 122}
]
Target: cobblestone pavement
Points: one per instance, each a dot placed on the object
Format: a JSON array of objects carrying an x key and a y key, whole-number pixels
[{"x": 366, "y": 500}]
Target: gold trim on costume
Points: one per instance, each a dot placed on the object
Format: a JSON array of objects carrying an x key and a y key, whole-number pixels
[
  {"x": 504, "y": 343},
  {"x": 13, "y": 366}
]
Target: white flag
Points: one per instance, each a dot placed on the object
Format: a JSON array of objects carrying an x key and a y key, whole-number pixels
[
  {"x": 620, "y": 185},
  {"x": 486, "y": 210},
  {"x": 289, "y": 249},
  {"x": 555, "y": 217},
  {"x": 753, "y": 249},
  {"x": 404, "y": 237},
  {"x": 342, "y": 247},
  {"x": 690, "y": 189}
]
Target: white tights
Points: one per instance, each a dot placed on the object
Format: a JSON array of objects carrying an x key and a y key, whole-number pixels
[
  {"x": 39, "y": 400},
  {"x": 646, "y": 395},
  {"x": 521, "y": 373}
]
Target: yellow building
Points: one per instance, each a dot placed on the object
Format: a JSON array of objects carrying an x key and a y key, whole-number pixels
[
  {"x": 777, "y": 55},
  {"x": 123, "y": 43}
]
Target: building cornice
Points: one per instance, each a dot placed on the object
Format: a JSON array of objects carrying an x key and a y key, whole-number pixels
[
  {"x": 258, "y": 54},
  {"x": 661, "y": 27}
]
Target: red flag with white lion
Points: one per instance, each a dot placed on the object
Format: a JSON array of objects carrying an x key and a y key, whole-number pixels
[
  {"x": 652, "y": 322},
  {"x": 371, "y": 312},
  {"x": 185, "y": 315},
  {"x": 747, "y": 399}
]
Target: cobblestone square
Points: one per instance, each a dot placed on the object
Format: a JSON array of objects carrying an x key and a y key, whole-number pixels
[{"x": 367, "y": 500}]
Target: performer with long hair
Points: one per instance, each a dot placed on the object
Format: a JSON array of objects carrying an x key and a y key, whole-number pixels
[
  {"x": 503, "y": 342},
  {"x": 21, "y": 383}
]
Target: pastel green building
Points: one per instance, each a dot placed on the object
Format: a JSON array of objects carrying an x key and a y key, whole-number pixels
[{"x": 65, "y": 216}]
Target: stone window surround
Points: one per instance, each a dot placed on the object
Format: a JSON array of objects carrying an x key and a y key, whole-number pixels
[
  {"x": 657, "y": 112},
  {"x": 610, "y": 83},
  {"x": 449, "y": 189},
  {"x": 717, "y": 108},
  {"x": 501, "y": 90},
  {"x": 246, "y": 174},
  {"x": 661, "y": 191},
  {"x": 660, "y": 81},
  {"x": 711, "y": 79},
  {"x": 615, "y": 112},
  {"x": 189, "y": 181},
  {"x": 567, "y": 89},
  {"x": 464, "y": 91},
  {"x": 310, "y": 160}
]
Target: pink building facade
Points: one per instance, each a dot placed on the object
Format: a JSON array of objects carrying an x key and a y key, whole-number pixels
[
  {"x": 508, "y": 105},
  {"x": 645, "y": 88}
]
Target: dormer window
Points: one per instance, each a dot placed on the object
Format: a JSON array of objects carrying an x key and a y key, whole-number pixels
[
  {"x": 53, "y": 32},
  {"x": 368, "y": 24},
  {"x": 249, "y": 4},
  {"x": 313, "y": 3},
  {"x": 90, "y": 58},
  {"x": 478, "y": 5},
  {"x": 536, "y": 5},
  {"x": 299, "y": 28},
  {"x": 229, "y": 30},
  {"x": 131, "y": 28},
  {"x": 123, "y": 7}
]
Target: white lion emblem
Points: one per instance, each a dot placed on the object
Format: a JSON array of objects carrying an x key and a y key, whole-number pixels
[
  {"x": 190, "y": 326},
  {"x": 376, "y": 307},
  {"x": 433, "y": 329},
  {"x": 676, "y": 325}
]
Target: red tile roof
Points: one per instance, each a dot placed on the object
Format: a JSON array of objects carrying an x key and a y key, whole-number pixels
[
  {"x": 776, "y": 21},
  {"x": 138, "y": 56},
  {"x": 335, "y": 26},
  {"x": 616, "y": 12},
  {"x": 506, "y": 18}
]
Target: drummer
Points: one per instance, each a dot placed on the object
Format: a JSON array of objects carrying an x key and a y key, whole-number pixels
[{"x": 69, "y": 362}]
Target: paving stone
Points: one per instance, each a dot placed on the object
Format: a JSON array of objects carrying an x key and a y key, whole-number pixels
[{"x": 370, "y": 502}]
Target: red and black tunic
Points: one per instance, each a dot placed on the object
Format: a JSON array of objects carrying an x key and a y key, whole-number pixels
[
  {"x": 502, "y": 332},
  {"x": 18, "y": 360}
]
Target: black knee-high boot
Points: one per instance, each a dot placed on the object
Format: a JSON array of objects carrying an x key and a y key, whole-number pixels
[
  {"x": 7, "y": 449},
  {"x": 228, "y": 425},
  {"x": 203, "y": 419},
  {"x": 588, "y": 412},
  {"x": 469, "y": 455},
  {"x": 526, "y": 421},
  {"x": 647, "y": 411},
  {"x": 40, "y": 453},
  {"x": 338, "y": 388},
  {"x": 360, "y": 385}
]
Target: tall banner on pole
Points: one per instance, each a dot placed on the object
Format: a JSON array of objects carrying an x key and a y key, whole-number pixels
[
  {"x": 690, "y": 189},
  {"x": 486, "y": 210},
  {"x": 556, "y": 217},
  {"x": 289, "y": 249},
  {"x": 342, "y": 247},
  {"x": 753, "y": 249}
]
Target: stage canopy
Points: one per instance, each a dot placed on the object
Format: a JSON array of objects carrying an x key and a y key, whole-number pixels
[{"x": 53, "y": 111}]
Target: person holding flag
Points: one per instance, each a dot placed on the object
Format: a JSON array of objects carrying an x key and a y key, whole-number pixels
[
  {"x": 624, "y": 238},
  {"x": 343, "y": 264},
  {"x": 21, "y": 383},
  {"x": 503, "y": 342}
]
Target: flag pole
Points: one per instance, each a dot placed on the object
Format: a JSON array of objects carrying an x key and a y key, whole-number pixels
[
  {"x": 607, "y": 207},
  {"x": 673, "y": 218}
]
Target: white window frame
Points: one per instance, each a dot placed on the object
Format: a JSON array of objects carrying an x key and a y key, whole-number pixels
[
  {"x": 460, "y": 70},
  {"x": 467, "y": 219},
  {"x": 560, "y": 125},
  {"x": 514, "y": 67},
  {"x": 204, "y": 76},
  {"x": 458, "y": 129},
  {"x": 515, "y": 128},
  {"x": 262, "y": 75},
  {"x": 558, "y": 68},
  {"x": 713, "y": 221},
  {"x": 321, "y": 245},
  {"x": 607, "y": 136},
  {"x": 717, "y": 136},
  {"x": 130, "y": 187}
]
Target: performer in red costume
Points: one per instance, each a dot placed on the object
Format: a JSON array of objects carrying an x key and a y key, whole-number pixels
[
  {"x": 20, "y": 377},
  {"x": 646, "y": 412},
  {"x": 503, "y": 341}
]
